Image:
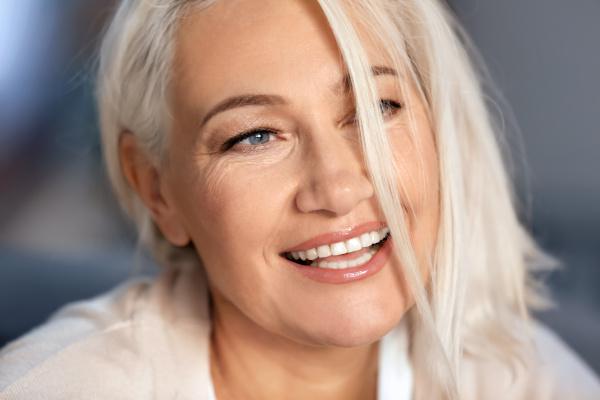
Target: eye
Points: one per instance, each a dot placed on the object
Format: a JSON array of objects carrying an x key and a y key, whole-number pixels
[
  {"x": 389, "y": 107},
  {"x": 255, "y": 137}
]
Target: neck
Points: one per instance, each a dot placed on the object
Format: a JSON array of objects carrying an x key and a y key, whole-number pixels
[{"x": 249, "y": 362}]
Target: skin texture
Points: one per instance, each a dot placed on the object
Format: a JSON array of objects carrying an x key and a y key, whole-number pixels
[{"x": 290, "y": 336}]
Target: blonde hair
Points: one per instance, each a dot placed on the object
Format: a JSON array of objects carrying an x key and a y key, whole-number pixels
[{"x": 481, "y": 272}]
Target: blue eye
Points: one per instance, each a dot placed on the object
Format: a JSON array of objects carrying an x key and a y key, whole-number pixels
[
  {"x": 260, "y": 137},
  {"x": 254, "y": 137}
]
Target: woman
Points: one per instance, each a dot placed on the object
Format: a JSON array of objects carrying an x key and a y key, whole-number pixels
[{"x": 322, "y": 184}]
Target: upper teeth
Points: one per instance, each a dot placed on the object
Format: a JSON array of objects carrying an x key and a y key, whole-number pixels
[{"x": 347, "y": 246}]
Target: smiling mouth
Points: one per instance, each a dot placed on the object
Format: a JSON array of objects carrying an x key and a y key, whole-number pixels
[{"x": 349, "y": 254}]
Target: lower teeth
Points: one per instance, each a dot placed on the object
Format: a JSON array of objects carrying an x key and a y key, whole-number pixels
[{"x": 363, "y": 259}]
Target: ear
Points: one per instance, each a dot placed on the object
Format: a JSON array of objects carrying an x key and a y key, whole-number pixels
[{"x": 145, "y": 179}]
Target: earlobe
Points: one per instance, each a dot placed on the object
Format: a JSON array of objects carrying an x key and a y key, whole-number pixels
[{"x": 145, "y": 179}]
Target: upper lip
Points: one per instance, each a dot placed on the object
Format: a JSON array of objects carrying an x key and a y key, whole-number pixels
[{"x": 337, "y": 236}]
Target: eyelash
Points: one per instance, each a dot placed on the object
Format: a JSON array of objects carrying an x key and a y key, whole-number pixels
[
  {"x": 245, "y": 135},
  {"x": 392, "y": 105},
  {"x": 384, "y": 104}
]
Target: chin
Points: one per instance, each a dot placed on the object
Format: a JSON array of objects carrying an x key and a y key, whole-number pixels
[{"x": 357, "y": 329}]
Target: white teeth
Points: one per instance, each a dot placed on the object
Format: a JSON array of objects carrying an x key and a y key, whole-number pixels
[
  {"x": 349, "y": 246},
  {"x": 324, "y": 251},
  {"x": 312, "y": 254},
  {"x": 338, "y": 248},
  {"x": 375, "y": 237},
  {"x": 353, "y": 245},
  {"x": 363, "y": 259},
  {"x": 365, "y": 239}
]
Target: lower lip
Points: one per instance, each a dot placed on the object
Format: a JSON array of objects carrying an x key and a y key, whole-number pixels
[{"x": 347, "y": 275}]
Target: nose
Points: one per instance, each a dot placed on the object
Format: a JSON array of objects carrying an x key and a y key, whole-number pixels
[{"x": 335, "y": 178}]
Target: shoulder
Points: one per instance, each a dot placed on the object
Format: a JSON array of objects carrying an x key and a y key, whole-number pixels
[
  {"x": 80, "y": 335},
  {"x": 147, "y": 338},
  {"x": 551, "y": 372},
  {"x": 562, "y": 368}
]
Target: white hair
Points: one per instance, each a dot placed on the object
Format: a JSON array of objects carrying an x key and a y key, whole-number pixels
[{"x": 481, "y": 283}]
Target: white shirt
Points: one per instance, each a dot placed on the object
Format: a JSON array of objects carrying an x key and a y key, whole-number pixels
[{"x": 149, "y": 339}]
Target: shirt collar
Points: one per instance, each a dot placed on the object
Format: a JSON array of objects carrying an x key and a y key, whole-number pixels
[{"x": 395, "y": 376}]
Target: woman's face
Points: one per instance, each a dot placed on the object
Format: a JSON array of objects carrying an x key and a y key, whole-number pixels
[{"x": 245, "y": 204}]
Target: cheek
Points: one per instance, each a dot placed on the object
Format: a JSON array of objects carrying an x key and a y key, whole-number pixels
[
  {"x": 234, "y": 212},
  {"x": 230, "y": 207},
  {"x": 417, "y": 166},
  {"x": 418, "y": 178}
]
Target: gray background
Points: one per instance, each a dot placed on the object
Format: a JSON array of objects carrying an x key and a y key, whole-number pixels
[
  {"x": 62, "y": 237},
  {"x": 544, "y": 56}
]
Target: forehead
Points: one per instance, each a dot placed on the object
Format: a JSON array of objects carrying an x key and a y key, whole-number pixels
[{"x": 239, "y": 46}]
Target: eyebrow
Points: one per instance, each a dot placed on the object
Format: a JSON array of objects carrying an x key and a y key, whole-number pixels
[
  {"x": 376, "y": 70},
  {"x": 272, "y": 99},
  {"x": 243, "y": 101}
]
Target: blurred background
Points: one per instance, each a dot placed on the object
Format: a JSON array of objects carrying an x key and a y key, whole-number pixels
[{"x": 63, "y": 238}]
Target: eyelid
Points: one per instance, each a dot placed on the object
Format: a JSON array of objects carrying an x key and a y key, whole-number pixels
[
  {"x": 234, "y": 140},
  {"x": 351, "y": 116}
]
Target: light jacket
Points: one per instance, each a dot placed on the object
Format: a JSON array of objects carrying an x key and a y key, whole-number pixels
[{"x": 148, "y": 339}]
